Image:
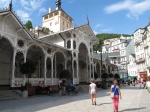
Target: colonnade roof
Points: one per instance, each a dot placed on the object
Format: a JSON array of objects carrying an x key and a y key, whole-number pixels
[
  {"x": 63, "y": 35},
  {"x": 13, "y": 20}
]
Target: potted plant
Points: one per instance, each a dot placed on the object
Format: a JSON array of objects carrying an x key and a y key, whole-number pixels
[
  {"x": 117, "y": 77},
  {"x": 27, "y": 69},
  {"x": 104, "y": 83}
]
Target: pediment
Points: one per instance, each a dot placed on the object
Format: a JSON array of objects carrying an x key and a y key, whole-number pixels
[{"x": 8, "y": 28}]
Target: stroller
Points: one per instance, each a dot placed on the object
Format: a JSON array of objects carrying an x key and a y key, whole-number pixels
[{"x": 72, "y": 90}]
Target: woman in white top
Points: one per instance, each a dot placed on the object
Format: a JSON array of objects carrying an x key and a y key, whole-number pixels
[
  {"x": 92, "y": 92},
  {"x": 148, "y": 84}
]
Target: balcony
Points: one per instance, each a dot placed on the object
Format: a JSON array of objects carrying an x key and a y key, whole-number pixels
[
  {"x": 137, "y": 42},
  {"x": 148, "y": 65},
  {"x": 144, "y": 37},
  {"x": 123, "y": 62},
  {"x": 140, "y": 60},
  {"x": 145, "y": 45},
  {"x": 122, "y": 70}
]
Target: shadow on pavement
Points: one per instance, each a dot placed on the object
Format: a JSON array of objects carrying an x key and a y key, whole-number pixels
[
  {"x": 102, "y": 104},
  {"x": 131, "y": 109}
]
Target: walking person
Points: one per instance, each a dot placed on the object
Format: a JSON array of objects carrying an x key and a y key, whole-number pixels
[
  {"x": 60, "y": 87},
  {"x": 140, "y": 82},
  {"x": 92, "y": 92},
  {"x": 117, "y": 93},
  {"x": 148, "y": 85}
]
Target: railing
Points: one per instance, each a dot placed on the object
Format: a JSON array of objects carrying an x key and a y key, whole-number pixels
[
  {"x": 145, "y": 45},
  {"x": 140, "y": 60}
]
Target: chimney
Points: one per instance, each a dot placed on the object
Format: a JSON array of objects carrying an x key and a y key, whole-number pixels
[{"x": 50, "y": 10}]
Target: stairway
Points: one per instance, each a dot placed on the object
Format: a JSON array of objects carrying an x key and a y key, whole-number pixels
[
  {"x": 83, "y": 88},
  {"x": 9, "y": 95}
]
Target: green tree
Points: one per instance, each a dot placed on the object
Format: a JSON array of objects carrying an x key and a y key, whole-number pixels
[
  {"x": 104, "y": 76},
  {"x": 111, "y": 75},
  {"x": 117, "y": 76},
  {"x": 28, "y": 25},
  {"x": 105, "y": 36},
  {"x": 28, "y": 68}
]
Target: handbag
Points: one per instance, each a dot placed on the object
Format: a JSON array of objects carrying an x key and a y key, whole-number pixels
[{"x": 112, "y": 95}]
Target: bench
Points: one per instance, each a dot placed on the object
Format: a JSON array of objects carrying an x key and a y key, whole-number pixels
[{"x": 55, "y": 88}]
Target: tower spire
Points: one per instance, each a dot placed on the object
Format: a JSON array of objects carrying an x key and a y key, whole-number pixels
[
  {"x": 58, "y": 4},
  {"x": 87, "y": 20},
  {"x": 10, "y": 5}
]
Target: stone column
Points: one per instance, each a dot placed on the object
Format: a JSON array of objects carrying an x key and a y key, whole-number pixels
[
  {"x": 93, "y": 70},
  {"x": 65, "y": 64},
  {"x": 24, "y": 75},
  {"x": 77, "y": 70},
  {"x": 90, "y": 69},
  {"x": 72, "y": 70},
  {"x": 52, "y": 70},
  {"x": 55, "y": 66},
  {"x": 45, "y": 69},
  {"x": 13, "y": 67}
]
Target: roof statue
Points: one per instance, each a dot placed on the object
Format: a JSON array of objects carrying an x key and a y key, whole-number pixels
[
  {"x": 58, "y": 4},
  {"x": 10, "y": 5}
]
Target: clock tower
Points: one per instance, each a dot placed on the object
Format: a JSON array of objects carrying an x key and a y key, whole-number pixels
[{"x": 57, "y": 20}]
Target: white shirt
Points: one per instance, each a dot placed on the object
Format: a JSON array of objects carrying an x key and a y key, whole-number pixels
[
  {"x": 93, "y": 86},
  {"x": 148, "y": 83}
]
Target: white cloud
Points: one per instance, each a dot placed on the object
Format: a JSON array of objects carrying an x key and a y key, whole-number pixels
[
  {"x": 98, "y": 25},
  {"x": 95, "y": 32},
  {"x": 5, "y": 3},
  {"x": 134, "y": 8},
  {"x": 25, "y": 4},
  {"x": 42, "y": 10},
  {"x": 23, "y": 15},
  {"x": 106, "y": 30}
]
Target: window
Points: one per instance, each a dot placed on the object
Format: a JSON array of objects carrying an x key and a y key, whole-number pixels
[{"x": 50, "y": 23}]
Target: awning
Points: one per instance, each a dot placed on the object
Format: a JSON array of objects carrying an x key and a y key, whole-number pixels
[
  {"x": 129, "y": 78},
  {"x": 132, "y": 77}
]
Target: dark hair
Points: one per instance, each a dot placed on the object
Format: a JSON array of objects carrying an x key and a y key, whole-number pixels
[{"x": 115, "y": 81}]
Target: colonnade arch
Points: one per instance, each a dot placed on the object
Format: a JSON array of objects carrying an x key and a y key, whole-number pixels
[
  {"x": 83, "y": 58},
  {"x": 6, "y": 63},
  {"x": 48, "y": 67},
  {"x": 58, "y": 64},
  {"x": 36, "y": 54}
]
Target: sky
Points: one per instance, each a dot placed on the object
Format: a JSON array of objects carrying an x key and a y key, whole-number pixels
[{"x": 105, "y": 16}]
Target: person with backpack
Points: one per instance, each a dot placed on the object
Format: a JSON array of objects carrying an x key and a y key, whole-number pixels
[{"x": 115, "y": 89}]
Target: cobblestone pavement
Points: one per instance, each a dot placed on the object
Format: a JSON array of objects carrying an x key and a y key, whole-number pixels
[{"x": 133, "y": 100}]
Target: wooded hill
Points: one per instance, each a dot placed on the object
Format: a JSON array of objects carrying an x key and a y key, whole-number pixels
[{"x": 105, "y": 36}]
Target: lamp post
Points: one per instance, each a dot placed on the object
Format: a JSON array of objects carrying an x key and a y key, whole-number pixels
[{"x": 40, "y": 66}]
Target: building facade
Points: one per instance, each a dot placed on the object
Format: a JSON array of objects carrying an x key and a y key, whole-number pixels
[
  {"x": 118, "y": 50},
  {"x": 70, "y": 48},
  {"x": 141, "y": 41}
]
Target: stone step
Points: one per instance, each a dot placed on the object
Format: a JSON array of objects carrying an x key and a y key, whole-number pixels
[
  {"x": 83, "y": 88},
  {"x": 9, "y": 95}
]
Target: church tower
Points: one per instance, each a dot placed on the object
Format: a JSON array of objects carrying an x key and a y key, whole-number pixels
[{"x": 57, "y": 20}]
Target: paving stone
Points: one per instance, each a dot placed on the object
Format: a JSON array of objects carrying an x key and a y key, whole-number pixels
[{"x": 133, "y": 100}]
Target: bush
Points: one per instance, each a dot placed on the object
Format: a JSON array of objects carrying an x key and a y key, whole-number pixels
[
  {"x": 117, "y": 76},
  {"x": 111, "y": 75}
]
